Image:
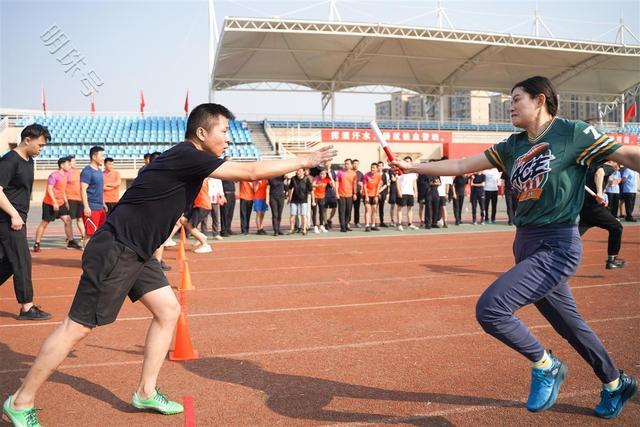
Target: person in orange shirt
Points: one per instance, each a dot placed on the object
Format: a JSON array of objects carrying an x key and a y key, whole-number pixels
[
  {"x": 55, "y": 204},
  {"x": 372, "y": 181},
  {"x": 260, "y": 203},
  {"x": 111, "y": 184},
  {"x": 320, "y": 184},
  {"x": 75, "y": 202},
  {"x": 346, "y": 182},
  {"x": 198, "y": 213},
  {"x": 246, "y": 204}
]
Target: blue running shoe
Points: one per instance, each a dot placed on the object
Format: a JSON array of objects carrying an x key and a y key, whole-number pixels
[
  {"x": 612, "y": 402},
  {"x": 545, "y": 385}
]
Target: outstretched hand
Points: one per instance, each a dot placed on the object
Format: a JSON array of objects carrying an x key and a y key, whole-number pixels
[
  {"x": 401, "y": 164},
  {"x": 320, "y": 156}
]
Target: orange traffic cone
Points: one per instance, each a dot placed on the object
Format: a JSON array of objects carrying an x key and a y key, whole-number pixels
[
  {"x": 182, "y": 349},
  {"x": 182, "y": 256},
  {"x": 185, "y": 282}
]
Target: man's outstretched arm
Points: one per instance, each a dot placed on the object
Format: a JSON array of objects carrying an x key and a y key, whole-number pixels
[{"x": 250, "y": 171}]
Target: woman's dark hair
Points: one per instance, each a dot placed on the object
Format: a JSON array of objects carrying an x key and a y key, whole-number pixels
[
  {"x": 203, "y": 115},
  {"x": 540, "y": 85},
  {"x": 35, "y": 131}
]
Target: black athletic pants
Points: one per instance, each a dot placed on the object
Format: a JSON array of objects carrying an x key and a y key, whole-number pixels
[
  {"x": 15, "y": 260},
  {"x": 593, "y": 215},
  {"x": 277, "y": 205}
]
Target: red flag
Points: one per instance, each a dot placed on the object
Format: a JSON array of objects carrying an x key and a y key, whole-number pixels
[
  {"x": 631, "y": 112},
  {"x": 93, "y": 104},
  {"x": 186, "y": 104},
  {"x": 44, "y": 102},
  {"x": 142, "y": 104}
]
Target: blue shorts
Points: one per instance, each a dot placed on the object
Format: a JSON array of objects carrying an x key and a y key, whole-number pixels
[{"x": 260, "y": 205}]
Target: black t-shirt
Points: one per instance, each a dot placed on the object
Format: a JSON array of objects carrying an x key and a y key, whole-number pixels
[
  {"x": 591, "y": 180},
  {"x": 301, "y": 189},
  {"x": 459, "y": 182},
  {"x": 478, "y": 179},
  {"x": 331, "y": 192},
  {"x": 393, "y": 181},
  {"x": 276, "y": 187},
  {"x": 385, "y": 182},
  {"x": 360, "y": 181},
  {"x": 423, "y": 184},
  {"x": 228, "y": 186},
  {"x": 16, "y": 180},
  {"x": 167, "y": 187}
]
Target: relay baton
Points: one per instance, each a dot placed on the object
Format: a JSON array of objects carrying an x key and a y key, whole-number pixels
[
  {"x": 383, "y": 143},
  {"x": 595, "y": 196}
]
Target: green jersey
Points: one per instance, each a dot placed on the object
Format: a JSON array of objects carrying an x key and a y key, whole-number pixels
[{"x": 548, "y": 172}]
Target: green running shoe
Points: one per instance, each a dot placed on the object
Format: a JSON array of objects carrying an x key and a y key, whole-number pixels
[
  {"x": 21, "y": 417},
  {"x": 158, "y": 403}
]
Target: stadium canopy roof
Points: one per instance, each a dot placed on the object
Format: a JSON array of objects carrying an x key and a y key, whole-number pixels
[{"x": 276, "y": 54}]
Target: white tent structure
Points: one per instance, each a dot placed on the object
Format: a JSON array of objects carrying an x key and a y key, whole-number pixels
[{"x": 329, "y": 57}]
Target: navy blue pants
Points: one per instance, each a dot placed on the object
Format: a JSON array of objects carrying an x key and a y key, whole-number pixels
[{"x": 546, "y": 257}]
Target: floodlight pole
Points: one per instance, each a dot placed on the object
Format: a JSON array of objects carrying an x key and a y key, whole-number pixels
[
  {"x": 213, "y": 44},
  {"x": 333, "y": 11},
  {"x": 537, "y": 22},
  {"x": 442, "y": 15}
]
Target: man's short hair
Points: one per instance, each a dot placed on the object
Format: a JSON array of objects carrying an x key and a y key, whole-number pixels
[
  {"x": 348, "y": 160},
  {"x": 63, "y": 160},
  {"x": 374, "y": 164},
  {"x": 147, "y": 155},
  {"x": 202, "y": 117},
  {"x": 108, "y": 160},
  {"x": 95, "y": 149},
  {"x": 35, "y": 131},
  {"x": 154, "y": 156},
  {"x": 356, "y": 160}
]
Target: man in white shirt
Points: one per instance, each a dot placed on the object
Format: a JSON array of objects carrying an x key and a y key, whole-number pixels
[
  {"x": 407, "y": 193},
  {"x": 217, "y": 199},
  {"x": 492, "y": 180},
  {"x": 443, "y": 191}
]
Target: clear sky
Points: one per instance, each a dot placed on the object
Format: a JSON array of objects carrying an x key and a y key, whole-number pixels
[{"x": 161, "y": 46}]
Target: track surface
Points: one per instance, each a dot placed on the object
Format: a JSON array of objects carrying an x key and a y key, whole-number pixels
[{"x": 376, "y": 330}]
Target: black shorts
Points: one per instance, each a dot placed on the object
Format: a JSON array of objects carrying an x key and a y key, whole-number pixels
[
  {"x": 443, "y": 200},
  {"x": 49, "y": 215},
  {"x": 370, "y": 201},
  {"x": 110, "y": 272},
  {"x": 197, "y": 215},
  {"x": 393, "y": 199},
  {"x": 330, "y": 203},
  {"x": 75, "y": 209},
  {"x": 406, "y": 200}
]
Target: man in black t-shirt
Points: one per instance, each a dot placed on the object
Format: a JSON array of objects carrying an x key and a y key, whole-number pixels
[
  {"x": 300, "y": 188},
  {"x": 459, "y": 186},
  {"x": 594, "y": 213},
  {"x": 16, "y": 182},
  {"x": 118, "y": 261}
]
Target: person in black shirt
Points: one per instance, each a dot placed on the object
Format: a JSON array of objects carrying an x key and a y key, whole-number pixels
[
  {"x": 226, "y": 216},
  {"x": 393, "y": 197},
  {"x": 459, "y": 185},
  {"x": 432, "y": 202},
  {"x": 423, "y": 186},
  {"x": 510, "y": 198},
  {"x": 300, "y": 188},
  {"x": 331, "y": 198},
  {"x": 118, "y": 260},
  {"x": 594, "y": 213},
  {"x": 384, "y": 192},
  {"x": 358, "y": 200},
  {"x": 16, "y": 182},
  {"x": 477, "y": 196},
  {"x": 276, "y": 202}
]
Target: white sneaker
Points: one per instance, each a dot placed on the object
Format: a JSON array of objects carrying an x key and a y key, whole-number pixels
[
  {"x": 218, "y": 237},
  {"x": 413, "y": 227},
  {"x": 322, "y": 229},
  {"x": 169, "y": 243},
  {"x": 400, "y": 227},
  {"x": 203, "y": 249},
  {"x": 315, "y": 229}
]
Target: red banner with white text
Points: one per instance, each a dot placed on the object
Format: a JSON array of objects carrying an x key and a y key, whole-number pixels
[{"x": 391, "y": 135}]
